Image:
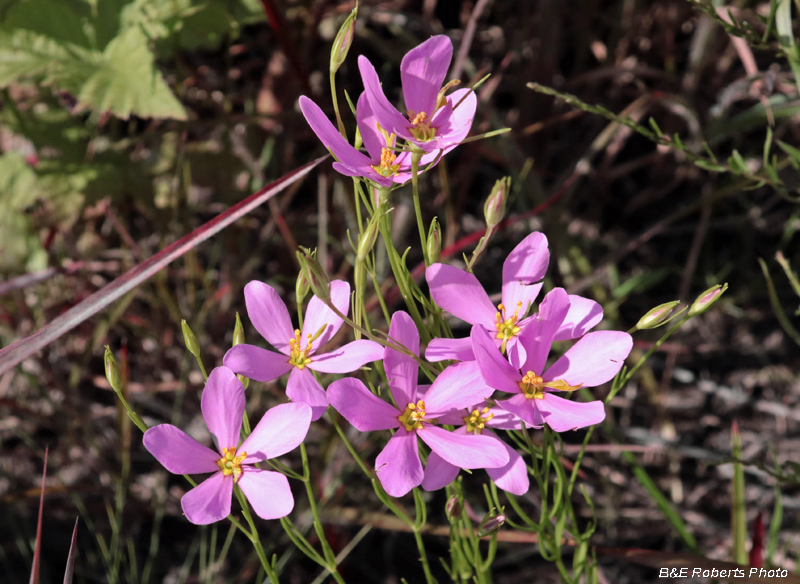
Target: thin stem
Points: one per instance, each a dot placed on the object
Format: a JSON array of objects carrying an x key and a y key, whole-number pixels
[
  {"x": 336, "y": 106},
  {"x": 262, "y": 556},
  {"x": 415, "y": 158}
]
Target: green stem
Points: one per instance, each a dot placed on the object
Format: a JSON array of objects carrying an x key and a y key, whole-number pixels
[
  {"x": 262, "y": 556},
  {"x": 423, "y": 238},
  {"x": 336, "y": 106}
]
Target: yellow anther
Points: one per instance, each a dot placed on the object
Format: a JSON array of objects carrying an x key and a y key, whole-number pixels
[
  {"x": 420, "y": 127},
  {"x": 506, "y": 326},
  {"x": 476, "y": 420},
  {"x": 299, "y": 357},
  {"x": 532, "y": 385},
  {"x": 230, "y": 464},
  {"x": 413, "y": 416}
]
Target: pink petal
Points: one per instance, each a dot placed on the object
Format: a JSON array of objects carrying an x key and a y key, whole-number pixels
[
  {"x": 444, "y": 349},
  {"x": 398, "y": 466},
  {"x": 269, "y": 315},
  {"x": 256, "y": 363},
  {"x": 524, "y": 409},
  {"x": 454, "y": 120},
  {"x": 495, "y": 370},
  {"x": 583, "y": 315},
  {"x": 373, "y": 140},
  {"x": 362, "y": 408},
  {"x": 320, "y": 315},
  {"x": 513, "y": 477},
  {"x": 401, "y": 370},
  {"x": 268, "y": 492},
  {"x": 303, "y": 387},
  {"x": 222, "y": 404},
  {"x": 593, "y": 360},
  {"x": 387, "y": 115},
  {"x": 178, "y": 452},
  {"x": 438, "y": 473},
  {"x": 347, "y": 358},
  {"x": 537, "y": 337},
  {"x": 502, "y": 419},
  {"x": 460, "y": 294},
  {"x": 210, "y": 501},
  {"x": 524, "y": 267},
  {"x": 464, "y": 451},
  {"x": 457, "y": 387},
  {"x": 366, "y": 172},
  {"x": 423, "y": 71},
  {"x": 330, "y": 136},
  {"x": 280, "y": 430},
  {"x": 563, "y": 414}
]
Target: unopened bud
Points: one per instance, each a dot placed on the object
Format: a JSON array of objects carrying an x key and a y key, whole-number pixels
[
  {"x": 491, "y": 524},
  {"x": 657, "y": 316},
  {"x": 434, "y": 241},
  {"x": 343, "y": 40},
  {"x": 706, "y": 299},
  {"x": 112, "y": 370},
  {"x": 495, "y": 208},
  {"x": 238, "y": 331},
  {"x": 452, "y": 509},
  {"x": 368, "y": 238},
  {"x": 301, "y": 288},
  {"x": 314, "y": 275},
  {"x": 191, "y": 341}
]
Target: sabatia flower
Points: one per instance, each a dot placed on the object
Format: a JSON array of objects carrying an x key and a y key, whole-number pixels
[
  {"x": 299, "y": 350},
  {"x": 281, "y": 429},
  {"x": 594, "y": 359},
  {"x": 398, "y": 465}
]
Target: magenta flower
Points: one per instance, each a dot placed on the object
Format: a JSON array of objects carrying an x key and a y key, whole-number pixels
[
  {"x": 398, "y": 465},
  {"x": 281, "y": 429},
  {"x": 459, "y": 293},
  {"x": 434, "y": 121},
  {"x": 594, "y": 359},
  {"x": 271, "y": 319}
]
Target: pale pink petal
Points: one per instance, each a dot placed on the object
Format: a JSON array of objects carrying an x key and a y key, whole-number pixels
[
  {"x": 459, "y": 293},
  {"x": 302, "y": 387},
  {"x": 457, "y": 387},
  {"x": 444, "y": 349},
  {"x": 366, "y": 172},
  {"x": 222, "y": 404},
  {"x": 267, "y": 492},
  {"x": 537, "y": 336},
  {"x": 373, "y": 140},
  {"x": 495, "y": 370},
  {"x": 256, "y": 363},
  {"x": 593, "y": 360},
  {"x": 398, "y": 466},
  {"x": 319, "y": 315},
  {"x": 583, "y": 315},
  {"x": 178, "y": 452},
  {"x": 210, "y": 501},
  {"x": 524, "y": 270},
  {"x": 387, "y": 115},
  {"x": 348, "y": 357},
  {"x": 330, "y": 136},
  {"x": 401, "y": 369},
  {"x": 513, "y": 477},
  {"x": 279, "y": 431},
  {"x": 423, "y": 71},
  {"x": 438, "y": 473},
  {"x": 563, "y": 414},
  {"x": 502, "y": 419},
  {"x": 464, "y": 451},
  {"x": 362, "y": 408},
  {"x": 454, "y": 120},
  {"x": 524, "y": 409},
  {"x": 515, "y": 351},
  {"x": 269, "y": 315}
]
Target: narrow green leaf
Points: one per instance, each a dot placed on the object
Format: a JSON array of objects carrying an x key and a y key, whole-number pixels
[
  {"x": 738, "y": 516},
  {"x": 706, "y": 165}
]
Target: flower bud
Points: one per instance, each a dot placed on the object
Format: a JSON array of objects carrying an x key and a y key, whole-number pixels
[
  {"x": 434, "y": 241},
  {"x": 656, "y": 316},
  {"x": 368, "y": 238},
  {"x": 314, "y": 275},
  {"x": 112, "y": 370},
  {"x": 343, "y": 40},
  {"x": 452, "y": 509},
  {"x": 495, "y": 207},
  {"x": 706, "y": 299},
  {"x": 238, "y": 331},
  {"x": 191, "y": 341},
  {"x": 491, "y": 524}
]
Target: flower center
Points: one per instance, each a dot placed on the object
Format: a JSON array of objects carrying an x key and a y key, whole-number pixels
[
  {"x": 506, "y": 325},
  {"x": 413, "y": 417},
  {"x": 532, "y": 385},
  {"x": 230, "y": 464},
  {"x": 420, "y": 127},
  {"x": 299, "y": 357},
  {"x": 476, "y": 421},
  {"x": 387, "y": 167}
]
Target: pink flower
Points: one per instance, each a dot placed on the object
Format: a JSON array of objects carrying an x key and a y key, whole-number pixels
[
  {"x": 593, "y": 360},
  {"x": 434, "y": 121},
  {"x": 271, "y": 319},
  {"x": 398, "y": 465},
  {"x": 281, "y": 429},
  {"x": 459, "y": 293}
]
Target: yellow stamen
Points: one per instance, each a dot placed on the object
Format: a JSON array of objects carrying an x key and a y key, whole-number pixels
[
  {"x": 230, "y": 464},
  {"x": 532, "y": 385},
  {"x": 299, "y": 357},
  {"x": 506, "y": 327},
  {"x": 476, "y": 421},
  {"x": 420, "y": 127},
  {"x": 413, "y": 416}
]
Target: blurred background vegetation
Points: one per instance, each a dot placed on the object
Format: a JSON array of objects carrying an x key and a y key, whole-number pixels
[{"x": 124, "y": 125}]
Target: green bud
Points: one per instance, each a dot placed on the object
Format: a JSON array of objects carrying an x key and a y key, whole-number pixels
[
  {"x": 452, "y": 509},
  {"x": 491, "y": 524},
  {"x": 706, "y": 299},
  {"x": 343, "y": 40},
  {"x": 191, "y": 341},
  {"x": 657, "y": 316},
  {"x": 495, "y": 207},
  {"x": 313, "y": 273},
  {"x": 434, "y": 241},
  {"x": 301, "y": 288},
  {"x": 368, "y": 238},
  {"x": 112, "y": 370},
  {"x": 238, "y": 331}
]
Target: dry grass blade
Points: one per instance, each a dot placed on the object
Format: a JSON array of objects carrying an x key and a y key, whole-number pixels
[
  {"x": 24, "y": 348},
  {"x": 71, "y": 557},
  {"x": 37, "y": 549}
]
